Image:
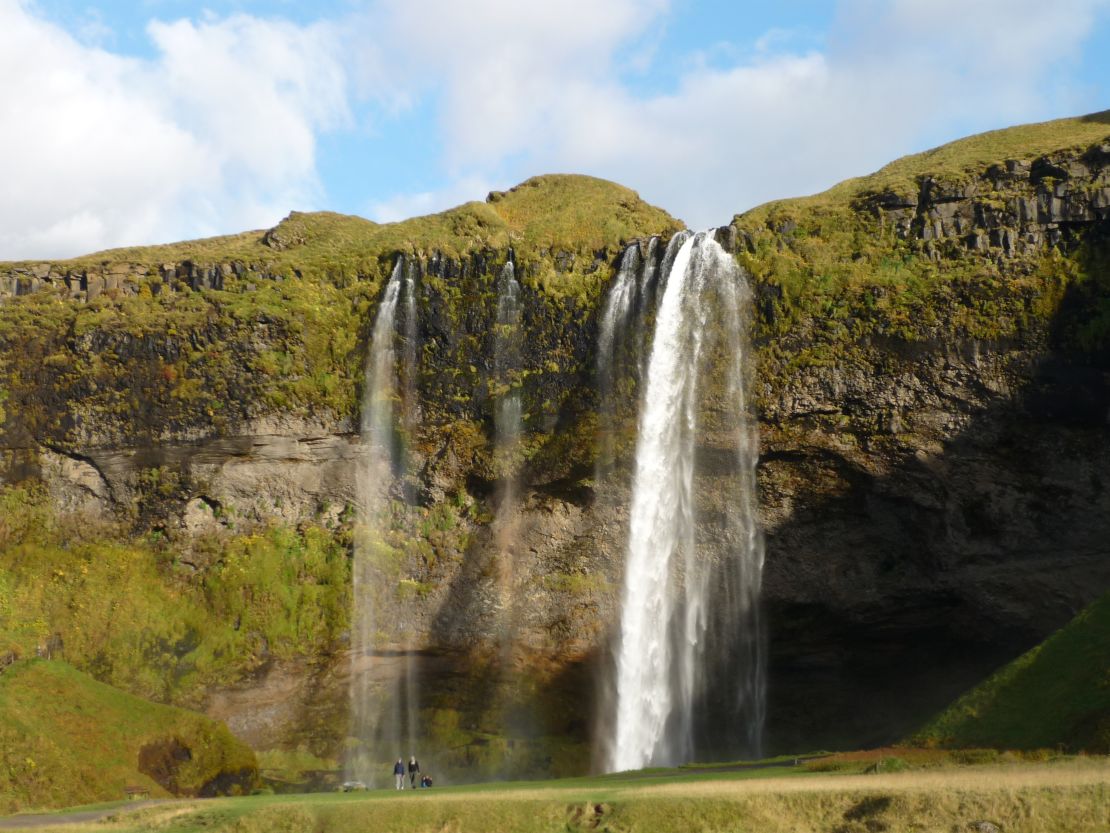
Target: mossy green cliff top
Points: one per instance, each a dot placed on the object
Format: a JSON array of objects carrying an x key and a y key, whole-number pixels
[
  {"x": 982, "y": 238},
  {"x": 960, "y": 161},
  {"x": 557, "y": 214},
  {"x": 217, "y": 332}
]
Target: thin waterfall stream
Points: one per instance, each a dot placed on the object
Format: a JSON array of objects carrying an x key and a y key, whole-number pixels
[
  {"x": 384, "y": 700},
  {"x": 507, "y": 338}
]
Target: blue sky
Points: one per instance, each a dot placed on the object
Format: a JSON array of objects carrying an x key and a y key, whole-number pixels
[{"x": 157, "y": 120}]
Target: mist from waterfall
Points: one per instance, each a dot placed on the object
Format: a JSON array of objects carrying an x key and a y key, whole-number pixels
[
  {"x": 690, "y": 664},
  {"x": 409, "y": 690},
  {"x": 384, "y": 696}
]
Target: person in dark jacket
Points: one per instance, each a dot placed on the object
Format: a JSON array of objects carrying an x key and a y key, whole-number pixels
[
  {"x": 414, "y": 770},
  {"x": 399, "y": 774}
]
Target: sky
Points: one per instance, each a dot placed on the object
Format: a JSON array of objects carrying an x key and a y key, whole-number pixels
[{"x": 126, "y": 123}]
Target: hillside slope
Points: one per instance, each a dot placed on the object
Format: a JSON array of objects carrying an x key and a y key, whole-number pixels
[
  {"x": 67, "y": 739},
  {"x": 1057, "y": 694}
]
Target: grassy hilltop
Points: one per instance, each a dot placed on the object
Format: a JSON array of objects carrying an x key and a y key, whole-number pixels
[
  {"x": 557, "y": 213},
  {"x": 304, "y": 289}
]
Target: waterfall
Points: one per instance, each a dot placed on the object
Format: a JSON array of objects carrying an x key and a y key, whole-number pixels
[
  {"x": 410, "y": 693},
  {"x": 690, "y": 627},
  {"x": 507, "y": 343},
  {"x": 621, "y": 341},
  {"x": 506, "y": 364},
  {"x": 620, "y": 304},
  {"x": 382, "y": 461}
]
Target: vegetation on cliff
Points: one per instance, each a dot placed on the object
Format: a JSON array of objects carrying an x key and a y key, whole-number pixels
[
  {"x": 66, "y": 738},
  {"x": 279, "y": 325},
  {"x": 937, "y": 246},
  {"x": 161, "y": 619},
  {"x": 557, "y": 213},
  {"x": 1056, "y": 695}
]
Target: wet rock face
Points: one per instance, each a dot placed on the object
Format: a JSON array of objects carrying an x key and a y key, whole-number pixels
[{"x": 120, "y": 279}]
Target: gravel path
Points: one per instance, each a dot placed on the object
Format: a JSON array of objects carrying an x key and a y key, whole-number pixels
[{"x": 33, "y": 820}]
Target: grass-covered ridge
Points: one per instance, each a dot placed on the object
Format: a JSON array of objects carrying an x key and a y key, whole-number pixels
[
  {"x": 553, "y": 213},
  {"x": 65, "y": 738},
  {"x": 966, "y": 158},
  {"x": 283, "y": 332},
  {"x": 1057, "y": 694}
]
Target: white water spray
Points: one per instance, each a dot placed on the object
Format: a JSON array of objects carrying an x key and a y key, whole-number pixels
[
  {"x": 506, "y": 361},
  {"x": 689, "y": 618}
]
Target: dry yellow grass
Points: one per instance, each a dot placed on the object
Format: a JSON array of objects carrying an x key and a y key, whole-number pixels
[{"x": 1079, "y": 772}]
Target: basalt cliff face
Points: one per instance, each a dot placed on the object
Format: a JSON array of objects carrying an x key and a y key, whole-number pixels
[{"x": 932, "y": 386}]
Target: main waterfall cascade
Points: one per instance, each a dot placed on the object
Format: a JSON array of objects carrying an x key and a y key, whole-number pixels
[
  {"x": 381, "y": 721},
  {"x": 690, "y": 664}
]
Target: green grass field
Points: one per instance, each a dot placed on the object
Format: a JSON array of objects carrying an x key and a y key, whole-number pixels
[{"x": 1068, "y": 795}]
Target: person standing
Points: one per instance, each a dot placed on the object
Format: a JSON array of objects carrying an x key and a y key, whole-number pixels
[
  {"x": 414, "y": 770},
  {"x": 399, "y": 773}
]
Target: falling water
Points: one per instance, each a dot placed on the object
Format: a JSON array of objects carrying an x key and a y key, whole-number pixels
[
  {"x": 611, "y": 350},
  {"x": 690, "y": 624},
  {"x": 507, "y": 338},
  {"x": 383, "y": 459},
  {"x": 410, "y": 693},
  {"x": 621, "y": 340},
  {"x": 506, "y": 359}
]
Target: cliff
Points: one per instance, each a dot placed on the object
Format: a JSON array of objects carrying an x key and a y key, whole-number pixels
[
  {"x": 934, "y": 408},
  {"x": 932, "y": 387}
]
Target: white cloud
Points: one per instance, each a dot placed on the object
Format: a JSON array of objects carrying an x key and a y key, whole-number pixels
[
  {"x": 419, "y": 203},
  {"x": 522, "y": 93},
  {"x": 218, "y": 132},
  {"x": 504, "y": 68}
]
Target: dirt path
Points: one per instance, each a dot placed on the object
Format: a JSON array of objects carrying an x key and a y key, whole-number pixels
[{"x": 33, "y": 820}]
